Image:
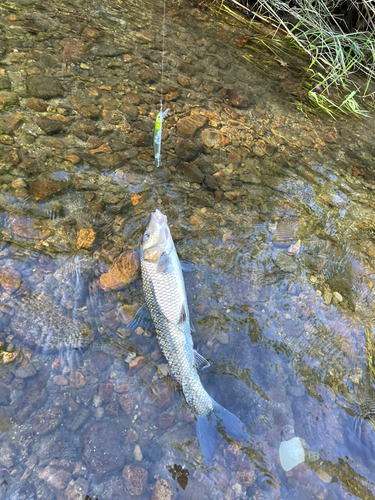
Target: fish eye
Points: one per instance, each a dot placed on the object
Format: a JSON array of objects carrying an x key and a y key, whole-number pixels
[{"x": 146, "y": 236}]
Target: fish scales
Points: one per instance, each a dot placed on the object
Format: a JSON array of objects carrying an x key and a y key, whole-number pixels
[
  {"x": 176, "y": 343},
  {"x": 165, "y": 295}
]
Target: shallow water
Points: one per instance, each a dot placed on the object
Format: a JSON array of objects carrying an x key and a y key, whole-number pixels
[{"x": 273, "y": 207}]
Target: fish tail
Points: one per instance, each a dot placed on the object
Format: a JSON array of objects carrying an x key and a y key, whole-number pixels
[{"x": 218, "y": 422}]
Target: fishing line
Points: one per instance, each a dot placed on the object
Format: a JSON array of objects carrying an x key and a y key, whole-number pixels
[{"x": 162, "y": 62}]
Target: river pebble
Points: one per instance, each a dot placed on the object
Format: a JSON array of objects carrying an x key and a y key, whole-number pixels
[{"x": 135, "y": 478}]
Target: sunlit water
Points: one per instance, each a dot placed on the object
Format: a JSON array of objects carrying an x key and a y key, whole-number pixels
[{"x": 274, "y": 211}]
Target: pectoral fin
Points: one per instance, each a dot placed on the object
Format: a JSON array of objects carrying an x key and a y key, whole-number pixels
[
  {"x": 183, "y": 315},
  {"x": 163, "y": 262}
]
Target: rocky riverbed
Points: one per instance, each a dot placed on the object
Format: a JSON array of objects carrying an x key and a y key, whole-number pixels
[{"x": 274, "y": 209}]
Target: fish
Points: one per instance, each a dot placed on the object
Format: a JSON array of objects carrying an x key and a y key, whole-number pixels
[
  {"x": 157, "y": 135},
  {"x": 166, "y": 303}
]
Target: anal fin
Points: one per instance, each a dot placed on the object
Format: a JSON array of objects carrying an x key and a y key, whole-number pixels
[{"x": 200, "y": 362}]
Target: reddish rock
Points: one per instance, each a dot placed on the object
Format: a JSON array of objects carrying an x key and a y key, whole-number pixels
[
  {"x": 43, "y": 187},
  {"x": 122, "y": 388},
  {"x": 112, "y": 409},
  {"x": 60, "y": 380},
  {"x": 25, "y": 228},
  {"x": 73, "y": 49},
  {"x": 76, "y": 379},
  {"x": 246, "y": 475},
  {"x": 105, "y": 392},
  {"x": 9, "y": 123},
  {"x": 163, "y": 490},
  {"x": 211, "y": 137},
  {"x": 131, "y": 436},
  {"x": 135, "y": 479},
  {"x": 47, "y": 419},
  {"x": 10, "y": 280},
  {"x": 165, "y": 421},
  {"x": 240, "y": 99},
  {"x": 136, "y": 364},
  {"x": 127, "y": 403},
  {"x": 37, "y": 104},
  {"x": 187, "y": 126},
  {"x": 123, "y": 272}
]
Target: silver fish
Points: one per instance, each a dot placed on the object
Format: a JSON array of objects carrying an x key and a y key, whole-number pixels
[{"x": 164, "y": 291}]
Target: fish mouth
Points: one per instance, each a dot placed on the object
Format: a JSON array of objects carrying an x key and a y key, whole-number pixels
[{"x": 159, "y": 217}]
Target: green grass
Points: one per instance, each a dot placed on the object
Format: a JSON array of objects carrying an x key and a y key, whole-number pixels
[{"x": 341, "y": 61}]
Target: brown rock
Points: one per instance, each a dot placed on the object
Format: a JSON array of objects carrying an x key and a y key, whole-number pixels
[
  {"x": 131, "y": 436},
  {"x": 246, "y": 475},
  {"x": 211, "y": 137},
  {"x": 223, "y": 180},
  {"x": 8, "y": 99},
  {"x": 85, "y": 106},
  {"x": 123, "y": 272},
  {"x": 76, "y": 379},
  {"x": 183, "y": 81},
  {"x": 105, "y": 392},
  {"x": 187, "y": 126},
  {"x": 135, "y": 478},
  {"x": 120, "y": 389},
  {"x": 43, "y": 187},
  {"x": 85, "y": 238},
  {"x": 10, "y": 280},
  {"x": 56, "y": 479},
  {"x": 37, "y": 104},
  {"x": 235, "y": 195},
  {"x": 136, "y": 364},
  {"x": 73, "y": 49},
  {"x": 192, "y": 172},
  {"x": 72, "y": 158},
  {"x": 128, "y": 108},
  {"x": 240, "y": 99},
  {"x": 9, "y": 123},
  {"x": 127, "y": 403},
  {"x": 60, "y": 380},
  {"x": 165, "y": 421},
  {"x": 25, "y": 228},
  {"x": 163, "y": 490},
  {"x": 47, "y": 419}
]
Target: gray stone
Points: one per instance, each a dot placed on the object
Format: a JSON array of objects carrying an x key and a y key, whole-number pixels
[
  {"x": 102, "y": 447},
  {"x": 6, "y": 455},
  {"x": 44, "y": 86},
  {"x": 106, "y": 50},
  {"x": 192, "y": 172},
  {"x": 285, "y": 262},
  {"x": 5, "y": 83},
  {"x": 56, "y": 479},
  {"x": 189, "y": 149},
  {"x": 77, "y": 490},
  {"x": 25, "y": 371},
  {"x": 47, "y": 419}
]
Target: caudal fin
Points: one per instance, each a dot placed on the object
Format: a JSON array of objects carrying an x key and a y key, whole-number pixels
[{"x": 218, "y": 422}]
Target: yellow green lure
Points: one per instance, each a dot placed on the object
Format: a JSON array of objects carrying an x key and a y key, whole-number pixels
[{"x": 157, "y": 135}]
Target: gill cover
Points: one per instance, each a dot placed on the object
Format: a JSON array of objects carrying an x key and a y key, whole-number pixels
[{"x": 155, "y": 242}]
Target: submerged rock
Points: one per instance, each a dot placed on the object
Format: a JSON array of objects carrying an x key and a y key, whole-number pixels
[
  {"x": 44, "y": 86},
  {"x": 291, "y": 453},
  {"x": 102, "y": 450}
]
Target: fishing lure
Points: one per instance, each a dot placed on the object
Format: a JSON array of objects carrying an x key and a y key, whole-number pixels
[{"x": 157, "y": 135}]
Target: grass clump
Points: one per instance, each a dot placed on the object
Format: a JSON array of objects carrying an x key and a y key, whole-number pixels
[{"x": 338, "y": 37}]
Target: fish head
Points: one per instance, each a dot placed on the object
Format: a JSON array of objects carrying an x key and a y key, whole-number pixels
[{"x": 157, "y": 237}]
